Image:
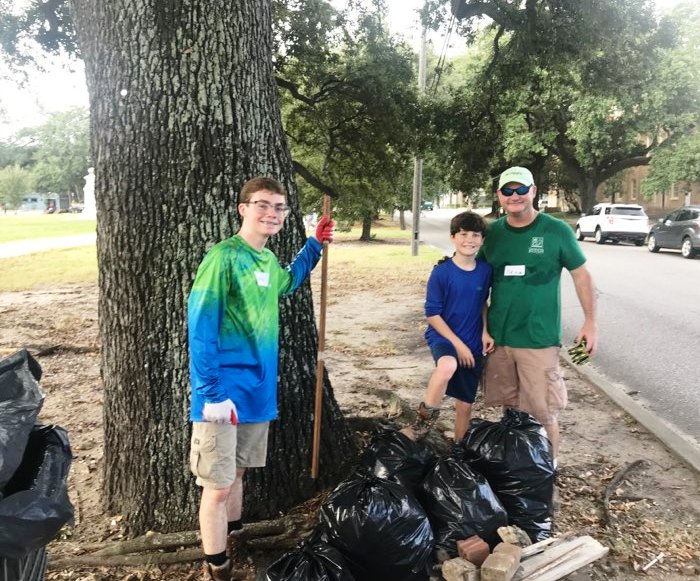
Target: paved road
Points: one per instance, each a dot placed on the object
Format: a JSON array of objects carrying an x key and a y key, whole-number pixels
[
  {"x": 648, "y": 323},
  {"x": 22, "y": 247}
]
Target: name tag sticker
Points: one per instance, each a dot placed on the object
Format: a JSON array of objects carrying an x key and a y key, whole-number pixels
[
  {"x": 263, "y": 278},
  {"x": 515, "y": 270}
]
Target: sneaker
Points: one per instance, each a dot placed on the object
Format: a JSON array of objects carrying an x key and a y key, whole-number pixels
[
  {"x": 424, "y": 422},
  {"x": 220, "y": 573}
]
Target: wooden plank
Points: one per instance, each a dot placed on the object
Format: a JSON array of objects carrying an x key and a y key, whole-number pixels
[
  {"x": 558, "y": 561},
  {"x": 585, "y": 556},
  {"x": 539, "y": 547}
]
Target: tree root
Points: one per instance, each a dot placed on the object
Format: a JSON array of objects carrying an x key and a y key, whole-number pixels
[
  {"x": 612, "y": 486},
  {"x": 46, "y": 350}
]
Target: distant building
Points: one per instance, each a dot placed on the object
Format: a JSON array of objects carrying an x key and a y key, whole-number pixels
[{"x": 50, "y": 203}]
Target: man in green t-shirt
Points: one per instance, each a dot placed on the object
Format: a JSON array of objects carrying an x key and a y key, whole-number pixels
[{"x": 528, "y": 251}]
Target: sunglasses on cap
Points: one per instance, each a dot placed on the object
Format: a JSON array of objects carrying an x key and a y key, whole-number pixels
[{"x": 520, "y": 190}]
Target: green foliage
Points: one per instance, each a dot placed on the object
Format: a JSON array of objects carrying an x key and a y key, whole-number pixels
[
  {"x": 56, "y": 152},
  {"x": 15, "y": 182},
  {"x": 349, "y": 114},
  {"x": 44, "y": 23},
  {"x": 678, "y": 156},
  {"x": 62, "y": 155},
  {"x": 582, "y": 82},
  {"x": 674, "y": 162}
]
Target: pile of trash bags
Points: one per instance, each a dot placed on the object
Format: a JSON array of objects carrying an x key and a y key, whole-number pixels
[
  {"x": 34, "y": 465},
  {"x": 404, "y": 505}
]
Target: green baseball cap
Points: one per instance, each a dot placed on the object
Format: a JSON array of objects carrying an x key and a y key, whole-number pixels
[{"x": 517, "y": 174}]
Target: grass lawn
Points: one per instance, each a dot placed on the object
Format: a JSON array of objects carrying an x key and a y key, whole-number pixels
[
  {"x": 28, "y": 226},
  {"x": 387, "y": 256},
  {"x": 50, "y": 269}
]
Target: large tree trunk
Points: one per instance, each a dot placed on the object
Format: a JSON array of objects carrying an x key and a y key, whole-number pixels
[
  {"x": 366, "y": 235},
  {"x": 184, "y": 109},
  {"x": 587, "y": 192}
]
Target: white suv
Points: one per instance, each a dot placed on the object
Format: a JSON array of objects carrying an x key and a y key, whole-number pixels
[{"x": 614, "y": 222}]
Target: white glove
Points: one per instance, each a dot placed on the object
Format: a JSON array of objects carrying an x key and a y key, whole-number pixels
[{"x": 220, "y": 413}]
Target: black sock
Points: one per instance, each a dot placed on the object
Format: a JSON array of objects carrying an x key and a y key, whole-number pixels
[
  {"x": 216, "y": 560},
  {"x": 235, "y": 525}
]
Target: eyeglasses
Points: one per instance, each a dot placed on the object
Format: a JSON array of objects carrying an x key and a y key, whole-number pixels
[
  {"x": 520, "y": 190},
  {"x": 264, "y": 206}
]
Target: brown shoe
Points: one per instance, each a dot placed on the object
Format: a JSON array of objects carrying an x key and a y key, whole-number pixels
[
  {"x": 221, "y": 573},
  {"x": 424, "y": 422}
]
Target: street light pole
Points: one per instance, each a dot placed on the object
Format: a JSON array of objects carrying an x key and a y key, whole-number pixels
[{"x": 418, "y": 162}]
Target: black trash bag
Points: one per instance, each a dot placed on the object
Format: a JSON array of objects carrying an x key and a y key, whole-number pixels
[
  {"x": 515, "y": 456},
  {"x": 312, "y": 560},
  {"x": 37, "y": 503},
  {"x": 20, "y": 402},
  {"x": 393, "y": 456},
  {"x": 380, "y": 528},
  {"x": 460, "y": 504}
]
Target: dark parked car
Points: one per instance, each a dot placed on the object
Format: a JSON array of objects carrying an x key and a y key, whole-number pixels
[
  {"x": 680, "y": 229},
  {"x": 426, "y": 205}
]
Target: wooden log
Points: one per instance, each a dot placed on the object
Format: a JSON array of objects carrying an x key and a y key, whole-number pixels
[
  {"x": 288, "y": 525},
  {"x": 140, "y": 560}
]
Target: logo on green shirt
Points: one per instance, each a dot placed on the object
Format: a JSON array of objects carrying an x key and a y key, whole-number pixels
[{"x": 536, "y": 245}]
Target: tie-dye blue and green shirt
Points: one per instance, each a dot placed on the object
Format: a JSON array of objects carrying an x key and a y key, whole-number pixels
[{"x": 232, "y": 314}]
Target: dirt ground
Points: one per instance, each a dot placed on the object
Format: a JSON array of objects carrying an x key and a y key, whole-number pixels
[{"x": 375, "y": 347}]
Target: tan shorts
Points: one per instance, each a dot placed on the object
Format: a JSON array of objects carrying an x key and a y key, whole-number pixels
[
  {"x": 527, "y": 379},
  {"x": 216, "y": 450}
]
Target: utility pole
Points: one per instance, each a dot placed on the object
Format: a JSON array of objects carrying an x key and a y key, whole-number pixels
[{"x": 418, "y": 162}]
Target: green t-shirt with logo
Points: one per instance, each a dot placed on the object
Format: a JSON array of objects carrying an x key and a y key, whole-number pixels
[{"x": 525, "y": 309}]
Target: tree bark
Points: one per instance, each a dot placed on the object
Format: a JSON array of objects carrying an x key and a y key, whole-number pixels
[
  {"x": 184, "y": 109},
  {"x": 366, "y": 235}
]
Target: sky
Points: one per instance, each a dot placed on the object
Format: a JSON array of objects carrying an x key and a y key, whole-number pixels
[{"x": 60, "y": 89}]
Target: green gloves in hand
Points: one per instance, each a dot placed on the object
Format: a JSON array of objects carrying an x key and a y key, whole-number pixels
[{"x": 578, "y": 353}]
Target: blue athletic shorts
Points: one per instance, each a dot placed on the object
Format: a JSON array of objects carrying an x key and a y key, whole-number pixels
[{"x": 463, "y": 383}]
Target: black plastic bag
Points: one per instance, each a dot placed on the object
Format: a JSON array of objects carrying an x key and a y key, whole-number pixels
[
  {"x": 393, "y": 456},
  {"x": 460, "y": 504},
  {"x": 20, "y": 402},
  {"x": 380, "y": 528},
  {"x": 312, "y": 560},
  {"x": 515, "y": 456},
  {"x": 37, "y": 503}
]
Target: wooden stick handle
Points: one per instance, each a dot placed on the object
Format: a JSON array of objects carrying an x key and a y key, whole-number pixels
[{"x": 320, "y": 359}]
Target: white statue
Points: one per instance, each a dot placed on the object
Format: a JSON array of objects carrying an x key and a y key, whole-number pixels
[{"x": 89, "y": 209}]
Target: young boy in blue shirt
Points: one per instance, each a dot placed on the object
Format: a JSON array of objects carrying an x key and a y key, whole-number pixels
[{"x": 455, "y": 307}]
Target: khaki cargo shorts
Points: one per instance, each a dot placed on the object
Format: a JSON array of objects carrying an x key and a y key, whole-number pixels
[
  {"x": 527, "y": 379},
  {"x": 216, "y": 450}
]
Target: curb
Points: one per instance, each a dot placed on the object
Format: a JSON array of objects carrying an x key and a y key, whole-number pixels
[{"x": 668, "y": 435}]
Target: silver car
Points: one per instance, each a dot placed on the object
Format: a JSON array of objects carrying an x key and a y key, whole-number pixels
[{"x": 680, "y": 229}]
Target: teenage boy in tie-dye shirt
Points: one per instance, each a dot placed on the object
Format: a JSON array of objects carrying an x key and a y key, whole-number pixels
[{"x": 233, "y": 337}]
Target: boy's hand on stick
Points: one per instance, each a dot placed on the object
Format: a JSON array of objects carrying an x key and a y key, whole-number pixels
[{"x": 325, "y": 229}]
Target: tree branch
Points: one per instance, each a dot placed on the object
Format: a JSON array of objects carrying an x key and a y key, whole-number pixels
[
  {"x": 294, "y": 90},
  {"x": 618, "y": 166},
  {"x": 314, "y": 180},
  {"x": 464, "y": 11}
]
